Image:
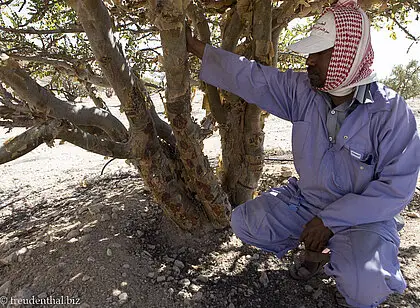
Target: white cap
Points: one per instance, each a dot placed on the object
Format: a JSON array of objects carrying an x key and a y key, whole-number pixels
[{"x": 322, "y": 36}]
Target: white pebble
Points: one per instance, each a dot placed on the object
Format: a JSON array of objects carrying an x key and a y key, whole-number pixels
[{"x": 123, "y": 297}]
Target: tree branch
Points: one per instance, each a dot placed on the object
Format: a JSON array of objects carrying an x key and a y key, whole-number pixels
[
  {"x": 6, "y": 2},
  {"x": 95, "y": 144},
  {"x": 200, "y": 23},
  {"x": 58, "y": 63},
  {"x": 44, "y": 101},
  {"x": 166, "y": 188},
  {"x": 275, "y": 37},
  {"x": 98, "y": 101},
  {"x": 74, "y": 29},
  {"x": 130, "y": 90},
  {"x": 219, "y": 5},
  {"x": 15, "y": 118},
  {"x": 68, "y": 68},
  {"x": 7, "y": 99},
  {"x": 232, "y": 31},
  {"x": 59, "y": 129},
  {"x": 284, "y": 14},
  {"x": 29, "y": 140},
  {"x": 404, "y": 29},
  {"x": 17, "y": 122},
  {"x": 200, "y": 177}
]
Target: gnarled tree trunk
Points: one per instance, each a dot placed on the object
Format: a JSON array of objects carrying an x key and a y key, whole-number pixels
[
  {"x": 169, "y": 16},
  {"x": 242, "y": 135},
  {"x": 185, "y": 187}
]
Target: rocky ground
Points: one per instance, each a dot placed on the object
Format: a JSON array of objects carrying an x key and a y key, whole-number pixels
[
  {"x": 104, "y": 243},
  {"x": 68, "y": 234}
]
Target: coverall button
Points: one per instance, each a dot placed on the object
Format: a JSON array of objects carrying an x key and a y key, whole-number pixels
[
  {"x": 361, "y": 167},
  {"x": 330, "y": 138},
  {"x": 346, "y": 137},
  {"x": 332, "y": 111}
]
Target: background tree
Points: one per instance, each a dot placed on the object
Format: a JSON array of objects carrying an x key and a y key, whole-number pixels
[
  {"x": 76, "y": 46},
  {"x": 405, "y": 79}
]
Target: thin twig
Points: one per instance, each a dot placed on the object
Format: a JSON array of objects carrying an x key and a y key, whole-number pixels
[
  {"x": 44, "y": 31},
  {"x": 103, "y": 169},
  {"x": 404, "y": 29}
]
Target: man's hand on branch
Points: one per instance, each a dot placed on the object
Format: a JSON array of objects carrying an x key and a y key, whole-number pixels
[
  {"x": 315, "y": 235},
  {"x": 194, "y": 45}
]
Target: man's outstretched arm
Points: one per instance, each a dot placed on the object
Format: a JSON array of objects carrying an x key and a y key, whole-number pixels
[{"x": 279, "y": 93}]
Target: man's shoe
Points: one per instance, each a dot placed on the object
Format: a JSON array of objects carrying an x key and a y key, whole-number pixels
[{"x": 308, "y": 264}]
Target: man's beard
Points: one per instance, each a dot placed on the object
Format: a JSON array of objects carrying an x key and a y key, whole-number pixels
[{"x": 315, "y": 79}]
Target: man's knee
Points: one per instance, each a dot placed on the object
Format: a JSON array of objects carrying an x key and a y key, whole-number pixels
[
  {"x": 237, "y": 222},
  {"x": 365, "y": 267},
  {"x": 367, "y": 288},
  {"x": 247, "y": 219},
  {"x": 255, "y": 223}
]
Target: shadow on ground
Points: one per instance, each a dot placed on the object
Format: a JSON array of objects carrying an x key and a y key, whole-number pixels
[{"x": 104, "y": 243}]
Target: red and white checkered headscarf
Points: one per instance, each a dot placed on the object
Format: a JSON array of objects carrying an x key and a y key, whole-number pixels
[{"x": 352, "y": 58}]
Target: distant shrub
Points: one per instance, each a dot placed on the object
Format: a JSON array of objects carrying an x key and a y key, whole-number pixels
[{"x": 405, "y": 79}]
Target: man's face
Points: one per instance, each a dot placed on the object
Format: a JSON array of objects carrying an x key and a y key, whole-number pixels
[{"x": 317, "y": 66}]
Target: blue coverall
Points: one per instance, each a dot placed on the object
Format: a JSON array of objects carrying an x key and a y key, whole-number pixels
[{"x": 356, "y": 184}]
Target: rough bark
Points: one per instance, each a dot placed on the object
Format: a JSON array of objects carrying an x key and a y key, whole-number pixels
[
  {"x": 253, "y": 122},
  {"x": 99, "y": 102},
  {"x": 232, "y": 31},
  {"x": 45, "y": 102},
  {"x": 199, "y": 20},
  {"x": 284, "y": 14},
  {"x": 157, "y": 170},
  {"x": 59, "y": 129},
  {"x": 169, "y": 16},
  {"x": 20, "y": 145},
  {"x": 75, "y": 69},
  {"x": 11, "y": 102},
  {"x": 12, "y": 118},
  {"x": 275, "y": 39},
  {"x": 233, "y": 151},
  {"x": 243, "y": 137}
]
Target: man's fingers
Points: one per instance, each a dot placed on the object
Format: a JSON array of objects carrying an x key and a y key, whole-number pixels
[
  {"x": 303, "y": 235},
  {"x": 309, "y": 242},
  {"x": 316, "y": 245},
  {"x": 321, "y": 247}
]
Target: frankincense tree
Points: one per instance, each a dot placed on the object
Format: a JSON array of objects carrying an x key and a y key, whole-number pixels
[{"x": 54, "y": 51}]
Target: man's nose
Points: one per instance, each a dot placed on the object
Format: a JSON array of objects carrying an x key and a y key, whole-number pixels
[{"x": 311, "y": 60}]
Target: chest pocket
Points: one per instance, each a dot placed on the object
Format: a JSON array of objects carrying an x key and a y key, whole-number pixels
[{"x": 354, "y": 168}]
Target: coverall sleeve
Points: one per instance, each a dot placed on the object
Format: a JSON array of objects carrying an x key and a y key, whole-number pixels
[
  {"x": 396, "y": 175},
  {"x": 277, "y": 92}
]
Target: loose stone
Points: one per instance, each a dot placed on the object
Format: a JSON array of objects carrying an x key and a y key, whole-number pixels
[
  {"x": 179, "y": 264},
  {"x": 123, "y": 297},
  {"x": 203, "y": 278}
]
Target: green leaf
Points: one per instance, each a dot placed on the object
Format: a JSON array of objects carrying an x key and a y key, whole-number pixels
[{"x": 393, "y": 35}]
